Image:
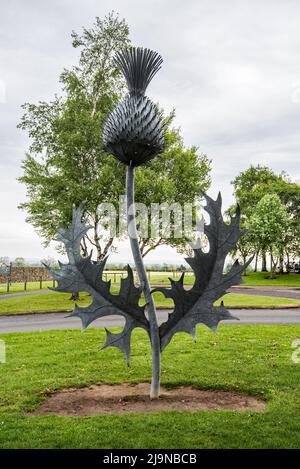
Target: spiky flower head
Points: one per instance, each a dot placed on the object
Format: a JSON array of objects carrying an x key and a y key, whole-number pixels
[{"x": 134, "y": 131}]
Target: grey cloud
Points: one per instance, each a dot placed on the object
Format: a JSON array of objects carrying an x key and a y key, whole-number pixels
[{"x": 231, "y": 70}]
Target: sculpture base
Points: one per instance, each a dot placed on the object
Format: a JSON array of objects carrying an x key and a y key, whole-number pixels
[{"x": 121, "y": 398}]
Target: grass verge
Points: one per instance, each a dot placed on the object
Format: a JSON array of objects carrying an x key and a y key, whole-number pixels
[
  {"x": 253, "y": 359},
  {"x": 251, "y": 279}
]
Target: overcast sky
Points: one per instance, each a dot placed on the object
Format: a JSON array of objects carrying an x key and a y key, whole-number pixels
[{"x": 231, "y": 69}]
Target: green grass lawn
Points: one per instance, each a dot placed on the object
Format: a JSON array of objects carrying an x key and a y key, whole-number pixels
[
  {"x": 282, "y": 280},
  {"x": 253, "y": 359},
  {"x": 252, "y": 278},
  {"x": 61, "y": 302}
]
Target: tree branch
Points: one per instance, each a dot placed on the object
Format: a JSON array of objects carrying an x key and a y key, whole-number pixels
[
  {"x": 107, "y": 246},
  {"x": 159, "y": 242}
]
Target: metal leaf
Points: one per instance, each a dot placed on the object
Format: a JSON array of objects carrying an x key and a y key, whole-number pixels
[
  {"x": 81, "y": 274},
  {"x": 71, "y": 237},
  {"x": 196, "y": 305},
  {"x": 120, "y": 340}
]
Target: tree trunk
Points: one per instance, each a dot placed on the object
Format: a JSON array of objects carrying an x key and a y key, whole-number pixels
[
  {"x": 281, "y": 269},
  {"x": 256, "y": 261},
  {"x": 141, "y": 271},
  {"x": 244, "y": 262},
  {"x": 273, "y": 266},
  {"x": 287, "y": 261},
  {"x": 83, "y": 247},
  {"x": 264, "y": 262}
]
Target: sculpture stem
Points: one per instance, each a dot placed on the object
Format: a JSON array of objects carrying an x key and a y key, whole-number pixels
[{"x": 141, "y": 271}]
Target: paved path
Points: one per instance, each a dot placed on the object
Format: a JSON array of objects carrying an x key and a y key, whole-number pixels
[
  {"x": 23, "y": 293},
  {"x": 49, "y": 321},
  {"x": 285, "y": 292}
]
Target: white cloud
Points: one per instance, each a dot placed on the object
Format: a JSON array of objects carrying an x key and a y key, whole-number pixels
[{"x": 231, "y": 70}]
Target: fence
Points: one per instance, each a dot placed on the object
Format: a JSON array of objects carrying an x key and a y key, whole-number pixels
[
  {"x": 17, "y": 283},
  {"x": 116, "y": 276},
  {"x": 9, "y": 283}
]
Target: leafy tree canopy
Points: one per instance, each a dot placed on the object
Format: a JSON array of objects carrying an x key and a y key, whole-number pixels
[
  {"x": 269, "y": 226},
  {"x": 66, "y": 164},
  {"x": 250, "y": 187}
]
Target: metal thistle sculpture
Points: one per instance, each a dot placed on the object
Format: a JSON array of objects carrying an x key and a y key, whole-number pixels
[{"x": 134, "y": 133}]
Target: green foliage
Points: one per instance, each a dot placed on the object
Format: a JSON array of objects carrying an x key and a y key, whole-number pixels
[
  {"x": 178, "y": 176},
  {"x": 250, "y": 187},
  {"x": 66, "y": 163},
  {"x": 269, "y": 222},
  {"x": 4, "y": 260},
  {"x": 269, "y": 226},
  {"x": 19, "y": 262}
]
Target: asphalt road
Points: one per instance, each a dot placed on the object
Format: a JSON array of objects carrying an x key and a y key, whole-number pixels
[
  {"x": 50, "y": 321},
  {"x": 285, "y": 292},
  {"x": 24, "y": 293}
]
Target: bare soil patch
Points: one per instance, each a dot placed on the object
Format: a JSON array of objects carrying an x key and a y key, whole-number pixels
[{"x": 120, "y": 398}]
